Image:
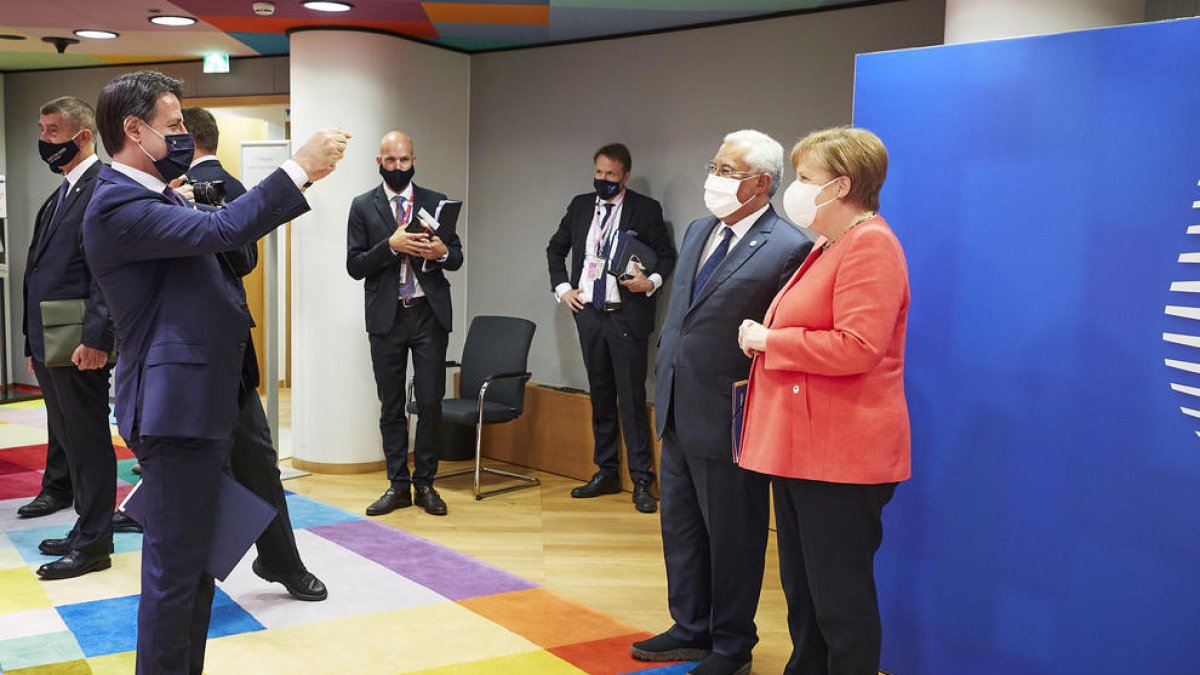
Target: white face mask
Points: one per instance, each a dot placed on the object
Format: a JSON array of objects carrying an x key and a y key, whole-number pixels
[
  {"x": 800, "y": 202},
  {"x": 720, "y": 195}
]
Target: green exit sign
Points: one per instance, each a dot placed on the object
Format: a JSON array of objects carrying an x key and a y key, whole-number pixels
[{"x": 216, "y": 63}]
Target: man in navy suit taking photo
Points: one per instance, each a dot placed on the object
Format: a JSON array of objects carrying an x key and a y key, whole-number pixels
[{"x": 181, "y": 317}]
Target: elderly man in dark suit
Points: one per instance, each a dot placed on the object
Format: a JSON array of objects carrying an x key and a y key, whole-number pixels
[
  {"x": 76, "y": 393},
  {"x": 181, "y": 316},
  {"x": 714, "y": 514},
  {"x": 407, "y": 310},
  {"x": 613, "y": 315},
  {"x": 253, "y": 458}
]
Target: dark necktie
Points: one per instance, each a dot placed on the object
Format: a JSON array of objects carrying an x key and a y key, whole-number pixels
[
  {"x": 599, "y": 288},
  {"x": 175, "y": 197},
  {"x": 62, "y": 194},
  {"x": 408, "y": 289},
  {"x": 713, "y": 262}
]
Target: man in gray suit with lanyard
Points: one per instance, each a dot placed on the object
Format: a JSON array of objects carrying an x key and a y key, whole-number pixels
[{"x": 714, "y": 514}]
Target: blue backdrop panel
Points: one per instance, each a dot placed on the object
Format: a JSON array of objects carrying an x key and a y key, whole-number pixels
[{"x": 1043, "y": 189}]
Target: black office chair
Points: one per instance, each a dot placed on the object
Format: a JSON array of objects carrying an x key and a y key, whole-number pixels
[{"x": 491, "y": 388}]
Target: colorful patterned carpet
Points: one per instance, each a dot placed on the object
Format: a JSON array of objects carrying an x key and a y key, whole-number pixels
[{"x": 397, "y": 603}]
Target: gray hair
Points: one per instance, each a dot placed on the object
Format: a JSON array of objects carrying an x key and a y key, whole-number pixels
[
  {"x": 763, "y": 153},
  {"x": 74, "y": 111}
]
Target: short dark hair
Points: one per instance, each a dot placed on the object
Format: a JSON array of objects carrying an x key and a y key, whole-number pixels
[
  {"x": 75, "y": 111},
  {"x": 616, "y": 152},
  {"x": 133, "y": 94},
  {"x": 203, "y": 127}
]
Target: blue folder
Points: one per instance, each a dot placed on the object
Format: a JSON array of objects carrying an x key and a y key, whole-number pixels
[
  {"x": 241, "y": 518},
  {"x": 739, "y": 415}
]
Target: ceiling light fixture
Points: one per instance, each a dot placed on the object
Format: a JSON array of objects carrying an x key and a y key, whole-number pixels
[
  {"x": 11, "y": 36},
  {"x": 96, "y": 34},
  {"x": 170, "y": 20},
  {"x": 327, "y": 6}
]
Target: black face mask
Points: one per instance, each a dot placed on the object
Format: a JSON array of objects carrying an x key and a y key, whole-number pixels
[
  {"x": 58, "y": 155},
  {"x": 397, "y": 179},
  {"x": 180, "y": 149},
  {"x": 606, "y": 189}
]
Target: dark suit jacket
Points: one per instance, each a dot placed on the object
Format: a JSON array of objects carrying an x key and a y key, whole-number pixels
[
  {"x": 179, "y": 310},
  {"x": 57, "y": 270},
  {"x": 698, "y": 355},
  {"x": 369, "y": 257},
  {"x": 640, "y": 214},
  {"x": 210, "y": 170}
]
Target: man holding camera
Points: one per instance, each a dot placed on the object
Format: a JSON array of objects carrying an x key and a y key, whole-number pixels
[
  {"x": 253, "y": 458},
  {"x": 614, "y": 315}
]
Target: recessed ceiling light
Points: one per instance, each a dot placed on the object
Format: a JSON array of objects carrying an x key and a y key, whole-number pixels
[
  {"x": 169, "y": 20},
  {"x": 96, "y": 34},
  {"x": 327, "y": 6}
]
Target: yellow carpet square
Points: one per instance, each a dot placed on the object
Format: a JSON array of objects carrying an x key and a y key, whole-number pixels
[
  {"x": 542, "y": 663},
  {"x": 385, "y": 643},
  {"x": 22, "y": 591},
  {"x": 122, "y": 579},
  {"x": 117, "y": 664}
]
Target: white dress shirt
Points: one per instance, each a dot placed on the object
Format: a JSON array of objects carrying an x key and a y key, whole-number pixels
[
  {"x": 612, "y": 293},
  {"x": 740, "y": 228}
]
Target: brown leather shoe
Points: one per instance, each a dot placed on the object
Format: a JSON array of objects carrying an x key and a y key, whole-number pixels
[
  {"x": 390, "y": 501},
  {"x": 430, "y": 500}
]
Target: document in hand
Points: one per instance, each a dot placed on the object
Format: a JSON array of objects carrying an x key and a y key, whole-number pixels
[
  {"x": 241, "y": 518},
  {"x": 739, "y": 415},
  {"x": 630, "y": 250},
  {"x": 445, "y": 215}
]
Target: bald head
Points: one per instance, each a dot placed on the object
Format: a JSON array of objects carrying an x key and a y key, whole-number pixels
[{"x": 395, "y": 143}]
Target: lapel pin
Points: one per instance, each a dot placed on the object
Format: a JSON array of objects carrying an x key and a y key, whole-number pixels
[{"x": 754, "y": 242}]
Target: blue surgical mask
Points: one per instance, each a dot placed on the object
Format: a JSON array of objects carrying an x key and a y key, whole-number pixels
[
  {"x": 606, "y": 189},
  {"x": 180, "y": 150},
  {"x": 58, "y": 155}
]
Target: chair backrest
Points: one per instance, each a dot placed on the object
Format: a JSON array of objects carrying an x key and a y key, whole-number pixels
[{"x": 496, "y": 344}]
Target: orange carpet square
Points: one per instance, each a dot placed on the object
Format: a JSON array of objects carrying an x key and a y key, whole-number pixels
[
  {"x": 546, "y": 619},
  {"x": 605, "y": 657}
]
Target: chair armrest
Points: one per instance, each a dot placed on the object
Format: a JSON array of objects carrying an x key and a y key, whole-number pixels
[
  {"x": 453, "y": 364},
  {"x": 500, "y": 376}
]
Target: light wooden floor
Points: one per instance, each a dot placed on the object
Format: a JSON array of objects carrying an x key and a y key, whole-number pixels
[{"x": 599, "y": 551}]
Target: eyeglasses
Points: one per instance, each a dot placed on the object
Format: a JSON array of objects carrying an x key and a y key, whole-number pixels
[{"x": 726, "y": 171}]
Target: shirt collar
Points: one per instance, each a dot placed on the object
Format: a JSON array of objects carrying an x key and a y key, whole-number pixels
[
  {"x": 615, "y": 201},
  {"x": 77, "y": 173},
  {"x": 152, "y": 183},
  {"x": 741, "y": 227},
  {"x": 204, "y": 158},
  {"x": 407, "y": 193}
]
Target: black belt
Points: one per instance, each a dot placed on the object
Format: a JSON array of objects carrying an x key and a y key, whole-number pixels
[
  {"x": 611, "y": 306},
  {"x": 412, "y": 302}
]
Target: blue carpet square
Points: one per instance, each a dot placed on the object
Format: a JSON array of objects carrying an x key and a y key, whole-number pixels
[
  {"x": 110, "y": 626},
  {"x": 674, "y": 669},
  {"x": 26, "y": 542},
  {"x": 306, "y": 512}
]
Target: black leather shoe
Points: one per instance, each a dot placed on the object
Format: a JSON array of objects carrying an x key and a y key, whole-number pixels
[
  {"x": 663, "y": 647},
  {"x": 123, "y": 523},
  {"x": 390, "y": 501},
  {"x": 600, "y": 484},
  {"x": 56, "y": 547},
  {"x": 303, "y": 585},
  {"x": 42, "y": 505},
  {"x": 430, "y": 500},
  {"x": 642, "y": 499},
  {"x": 74, "y": 564},
  {"x": 719, "y": 664}
]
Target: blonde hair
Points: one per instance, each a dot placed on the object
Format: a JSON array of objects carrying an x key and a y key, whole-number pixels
[{"x": 852, "y": 152}]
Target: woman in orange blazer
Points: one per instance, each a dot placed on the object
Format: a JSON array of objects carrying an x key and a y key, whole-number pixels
[{"x": 825, "y": 413}]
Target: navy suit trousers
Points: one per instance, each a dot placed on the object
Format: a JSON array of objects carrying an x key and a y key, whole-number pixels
[
  {"x": 77, "y": 422},
  {"x": 714, "y": 530},
  {"x": 179, "y": 482}
]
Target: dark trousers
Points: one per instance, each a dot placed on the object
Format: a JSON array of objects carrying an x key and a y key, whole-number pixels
[
  {"x": 616, "y": 370},
  {"x": 714, "y": 530},
  {"x": 77, "y": 418},
  {"x": 255, "y": 464},
  {"x": 828, "y": 536},
  {"x": 416, "y": 329},
  {"x": 56, "y": 481},
  {"x": 179, "y": 486}
]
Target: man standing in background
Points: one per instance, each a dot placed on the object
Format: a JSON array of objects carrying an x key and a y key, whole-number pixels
[
  {"x": 253, "y": 458},
  {"x": 614, "y": 318},
  {"x": 76, "y": 393},
  {"x": 407, "y": 310}
]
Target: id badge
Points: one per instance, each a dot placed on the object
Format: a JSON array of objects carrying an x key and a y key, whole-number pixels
[{"x": 593, "y": 267}]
